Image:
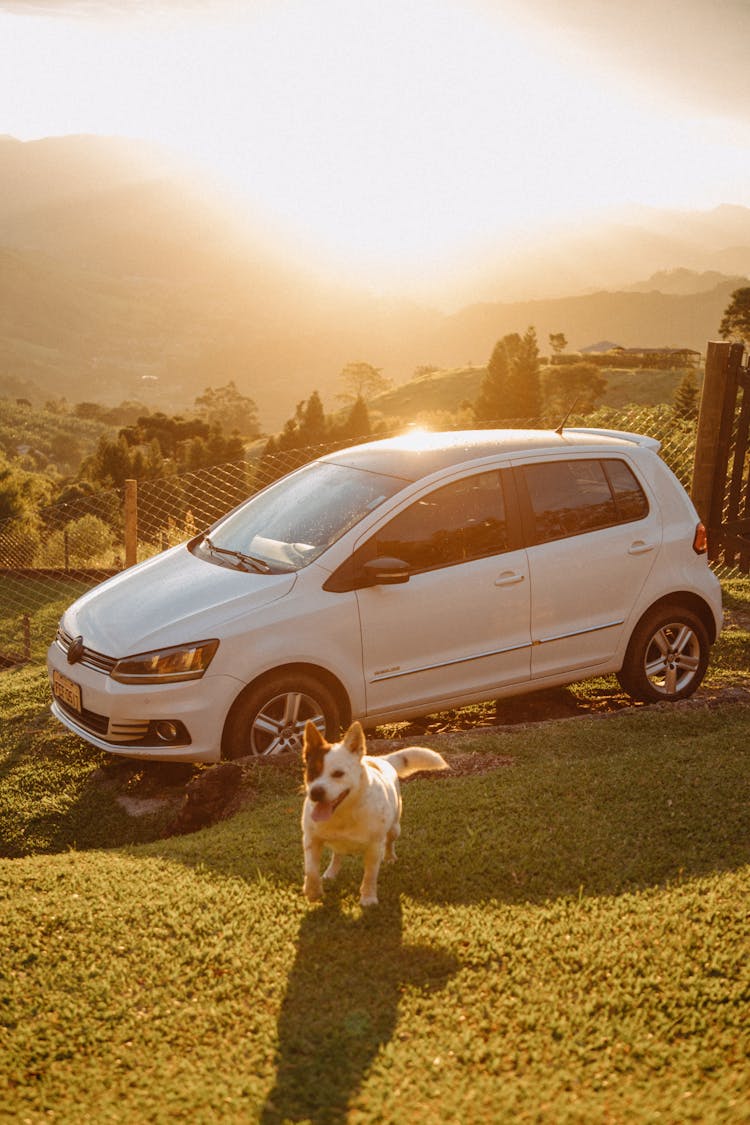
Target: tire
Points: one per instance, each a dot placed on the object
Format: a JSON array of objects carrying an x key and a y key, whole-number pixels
[
  {"x": 269, "y": 718},
  {"x": 667, "y": 656}
]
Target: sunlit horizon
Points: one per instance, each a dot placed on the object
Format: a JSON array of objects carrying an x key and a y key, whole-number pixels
[{"x": 383, "y": 140}]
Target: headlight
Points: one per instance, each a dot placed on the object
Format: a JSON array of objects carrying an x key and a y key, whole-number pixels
[{"x": 166, "y": 665}]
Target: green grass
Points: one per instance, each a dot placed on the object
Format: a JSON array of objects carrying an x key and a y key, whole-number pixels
[
  {"x": 43, "y": 601},
  {"x": 563, "y": 939},
  {"x": 56, "y": 792}
]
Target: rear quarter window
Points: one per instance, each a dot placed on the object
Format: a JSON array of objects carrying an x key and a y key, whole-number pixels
[{"x": 583, "y": 494}]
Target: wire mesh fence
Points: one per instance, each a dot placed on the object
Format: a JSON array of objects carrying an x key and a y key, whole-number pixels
[{"x": 49, "y": 561}]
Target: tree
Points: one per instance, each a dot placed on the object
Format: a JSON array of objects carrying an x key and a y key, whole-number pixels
[
  {"x": 557, "y": 343},
  {"x": 91, "y": 411},
  {"x": 490, "y": 403},
  {"x": 362, "y": 380},
  {"x": 12, "y": 505},
  {"x": 313, "y": 425},
  {"x": 685, "y": 399},
  {"x": 22, "y": 492},
  {"x": 510, "y": 389},
  {"x": 578, "y": 386},
  {"x": 356, "y": 425},
  {"x": 735, "y": 323},
  {"x": 308, "y": 427},
  {"x": 523, "y": 395},
  {"x": 230, "y": 410},
  {"x": 110, "y": 465}
]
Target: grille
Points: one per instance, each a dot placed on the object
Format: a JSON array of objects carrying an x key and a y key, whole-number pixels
[
  {"x": 89, "y": 720},
  {"x": 135, "y": 731},
  {"x": 90, "y": 657},
  {"x": 126, "y": 732}
]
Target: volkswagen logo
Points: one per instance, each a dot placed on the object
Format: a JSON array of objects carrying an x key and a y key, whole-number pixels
[{"x": 75, "y": 652}]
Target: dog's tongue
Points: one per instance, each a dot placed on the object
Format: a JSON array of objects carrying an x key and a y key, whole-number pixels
[{"x": 322, "y": 810}]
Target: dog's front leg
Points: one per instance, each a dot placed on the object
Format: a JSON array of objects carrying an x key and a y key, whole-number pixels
[
  {"x": 390, "y": 842},
  {"x": 313, "y": 886},
  {"x": 368, "y": 892}
]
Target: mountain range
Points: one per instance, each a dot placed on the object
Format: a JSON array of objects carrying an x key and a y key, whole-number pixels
[{"x": 121, "y": 279}]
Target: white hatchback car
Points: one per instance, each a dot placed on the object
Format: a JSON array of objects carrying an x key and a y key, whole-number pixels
[{"x": 394, "y": 579}]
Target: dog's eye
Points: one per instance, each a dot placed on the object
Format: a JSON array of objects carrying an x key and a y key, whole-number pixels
[{"x": 337, "y": 773}]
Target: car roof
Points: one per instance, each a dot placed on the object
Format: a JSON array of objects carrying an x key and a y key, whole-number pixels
[{"x": 418, "y": 453}]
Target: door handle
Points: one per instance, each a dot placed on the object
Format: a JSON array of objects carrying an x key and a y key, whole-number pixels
[
  {"x": 640, "y": 547},
  {"x": 508, "y": 578}
]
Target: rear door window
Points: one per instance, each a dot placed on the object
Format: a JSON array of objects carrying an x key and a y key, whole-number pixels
[{"x": 572, "y": 497}]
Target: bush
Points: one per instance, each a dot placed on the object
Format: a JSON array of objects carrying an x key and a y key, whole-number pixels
[
  {"x": 19, "y": 544},
  {"x": 89, "y": 543}
]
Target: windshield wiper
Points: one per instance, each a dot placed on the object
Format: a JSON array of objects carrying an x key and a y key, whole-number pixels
[{"x": 258, "y": 565}]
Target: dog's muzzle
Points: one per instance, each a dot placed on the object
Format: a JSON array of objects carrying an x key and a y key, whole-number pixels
[{"x": 323, "y": 809}]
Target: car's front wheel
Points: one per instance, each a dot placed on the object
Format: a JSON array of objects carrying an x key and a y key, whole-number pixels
[
  {"x": 270, "y": 717},
  {"x": 667, "y": 657}
]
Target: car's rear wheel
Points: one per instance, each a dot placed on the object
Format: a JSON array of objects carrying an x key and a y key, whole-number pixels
[
  {"x": 667, "y": 657},
  {"x": 270, "y": 717}
]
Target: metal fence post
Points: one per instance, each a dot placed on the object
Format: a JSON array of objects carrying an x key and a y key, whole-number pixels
[{"x": 131, "y": 522}]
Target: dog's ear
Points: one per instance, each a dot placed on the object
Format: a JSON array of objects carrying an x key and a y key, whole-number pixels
[
  {"x": 354, "y": 740},
  {"x": 314, "y": 742}
]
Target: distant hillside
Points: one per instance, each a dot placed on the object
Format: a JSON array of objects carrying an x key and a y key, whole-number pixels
[
  {"x": 432, "y": 396},
  {"x": 430, "y": 393},
  {"x": 47, "y": 439},
  {"x": 41, "y": 173},
  {"x": 118, "y": 281},
  {"x": 681, "y": 282},
  {"x": 618, "y": 253},
  {"x": 648, "y": 319}
]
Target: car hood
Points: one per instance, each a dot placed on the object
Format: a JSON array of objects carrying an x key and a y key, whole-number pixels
[{"x": 170, "y": 599}]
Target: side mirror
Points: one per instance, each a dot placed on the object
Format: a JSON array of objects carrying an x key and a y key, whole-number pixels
[{"x": 386, "y": 572}]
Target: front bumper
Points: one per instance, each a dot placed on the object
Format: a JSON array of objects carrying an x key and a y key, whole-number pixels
[{"x": 122, "y": 718}]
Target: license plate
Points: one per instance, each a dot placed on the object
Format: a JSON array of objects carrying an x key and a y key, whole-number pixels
[{"x": 66, "y": 690}]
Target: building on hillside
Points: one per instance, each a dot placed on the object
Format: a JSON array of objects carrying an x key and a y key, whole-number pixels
[{"x": 642, "y": 356}]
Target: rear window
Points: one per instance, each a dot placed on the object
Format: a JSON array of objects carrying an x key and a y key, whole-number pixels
[{"x": 576, "y": 496}]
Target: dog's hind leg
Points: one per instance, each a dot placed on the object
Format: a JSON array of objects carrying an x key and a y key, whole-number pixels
[
  {"x": 368, "y": 892},
  {"x": 333, "y": 867}
]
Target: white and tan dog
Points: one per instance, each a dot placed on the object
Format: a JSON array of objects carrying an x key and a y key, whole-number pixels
[{"x": 353, "y": 804}]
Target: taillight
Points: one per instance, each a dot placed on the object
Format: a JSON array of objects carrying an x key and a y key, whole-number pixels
[{"x": 700, "y": 539}]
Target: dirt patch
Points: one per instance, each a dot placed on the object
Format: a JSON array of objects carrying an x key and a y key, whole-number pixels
[{"x": 145, "y": 806}]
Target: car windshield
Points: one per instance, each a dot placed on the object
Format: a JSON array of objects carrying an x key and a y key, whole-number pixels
[{"x": 292, "y": 522}]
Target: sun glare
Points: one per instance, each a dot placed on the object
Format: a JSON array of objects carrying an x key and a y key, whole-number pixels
[
  {"x": 390, "y": 139},
  {"x": 417, "y": 438}
]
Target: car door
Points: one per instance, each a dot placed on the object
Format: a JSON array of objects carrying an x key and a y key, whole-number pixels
[
  {"x": 459, "y": 627},
  {"x": 593, "y": 538}
]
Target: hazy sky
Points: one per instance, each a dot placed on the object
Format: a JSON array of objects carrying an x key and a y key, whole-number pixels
[{"x": 395, "y": 135}]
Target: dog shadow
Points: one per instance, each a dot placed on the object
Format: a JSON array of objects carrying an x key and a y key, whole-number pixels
[{"x": 336, "y": 1017}]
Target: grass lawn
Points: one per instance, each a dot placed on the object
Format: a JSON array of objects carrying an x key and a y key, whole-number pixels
[{"x": 564, "y": 938}]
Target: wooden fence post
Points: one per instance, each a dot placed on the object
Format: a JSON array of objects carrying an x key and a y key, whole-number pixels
[
  {"x": 131, "y": 522},
  {"x": 714, "y": 435}
]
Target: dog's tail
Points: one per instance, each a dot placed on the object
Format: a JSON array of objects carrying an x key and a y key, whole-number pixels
[{"x": 412, "y": 759}]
